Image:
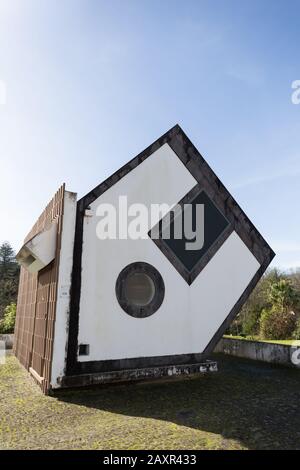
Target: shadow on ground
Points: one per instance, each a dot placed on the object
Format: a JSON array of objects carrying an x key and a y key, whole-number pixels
[{"x": 254, "y": 404}]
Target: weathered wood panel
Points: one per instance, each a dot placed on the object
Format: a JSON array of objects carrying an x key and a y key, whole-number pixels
[{"x": 34, "y": 331}]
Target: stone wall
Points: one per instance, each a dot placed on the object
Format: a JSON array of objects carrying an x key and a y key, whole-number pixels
[
  {"x": 260, "y": 351},
  {"x": 8, "y": 340}
]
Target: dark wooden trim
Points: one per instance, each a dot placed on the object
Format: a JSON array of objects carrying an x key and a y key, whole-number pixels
[
  {"x": 201, "y": 171},
  {"x": 84, "y": 367},
  {"x": 237, "y": 307},
  {"x": 189, "y": 276},
  {"x": 149, "y": 373},
  {"x": 90, "y": 197},
  {"x": 239, "y": 222},
  {"x": 82, "y": 204},
  {"x": 75, "y": 294}
]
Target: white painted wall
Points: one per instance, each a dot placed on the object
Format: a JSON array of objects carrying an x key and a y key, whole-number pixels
[
  {"x": 64, "y": 285},
  {"x": 189, "y": 315}
]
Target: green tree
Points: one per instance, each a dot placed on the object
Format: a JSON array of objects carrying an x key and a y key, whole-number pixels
[
  {"x": 7, "y": 324},
  {"x": 296, "y": 332},
  {"x": 247, "y": 322},
  {"x": 277, "y": 324},
  {"x": 283, "y": 295},
  {"x": 9, "y": 276},
  {"x": 273, "y": 308},
  {"x": 280, "y": 320},
  {"x": 8, "y": 265}
]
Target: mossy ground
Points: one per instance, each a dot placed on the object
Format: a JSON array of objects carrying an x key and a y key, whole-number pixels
[{"x": 246, "y": 405}]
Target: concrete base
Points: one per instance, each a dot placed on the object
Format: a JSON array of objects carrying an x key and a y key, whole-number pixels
[{"x": 138, "y": 374}]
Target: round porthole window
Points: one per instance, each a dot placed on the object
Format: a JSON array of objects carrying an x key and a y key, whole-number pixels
[{"x": 140, "y": 289}]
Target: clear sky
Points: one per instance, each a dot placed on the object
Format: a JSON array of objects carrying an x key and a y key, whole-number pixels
[{"x": 89, "y": 84}]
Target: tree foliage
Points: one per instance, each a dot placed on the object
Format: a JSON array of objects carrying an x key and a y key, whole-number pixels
[
  {"x": 296, "y": 332},
  {"x": 7, "y": 260},
  {"x": 272, "y": 310},
  {"x": 277, "y": 324},
  {"x": 7, "y": 324},
  {"x": 283, "y": 295},
  {"x": 9, "y": 277}
]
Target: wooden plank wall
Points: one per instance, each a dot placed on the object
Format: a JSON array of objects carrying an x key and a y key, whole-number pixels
[{"x": 36, "y": 306}]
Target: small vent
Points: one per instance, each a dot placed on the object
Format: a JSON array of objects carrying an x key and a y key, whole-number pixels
[{"x": 84, "y": 349}]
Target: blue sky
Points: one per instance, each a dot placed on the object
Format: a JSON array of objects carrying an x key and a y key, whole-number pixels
[{"x": 89, "y": 84}]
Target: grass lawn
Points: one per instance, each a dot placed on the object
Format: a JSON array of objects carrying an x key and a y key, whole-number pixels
[
  {"x": 288, "y": 342},
  {"x": 246, "y": 405}
]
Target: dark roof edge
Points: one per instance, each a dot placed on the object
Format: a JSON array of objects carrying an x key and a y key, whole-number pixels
[
  {"x": 239, "y": 213},
  {"x": 200, "y": 169},
  {"x": 91, "y": 196}
]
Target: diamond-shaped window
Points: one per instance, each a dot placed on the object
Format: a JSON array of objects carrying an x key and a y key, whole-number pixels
[{"x": 190, "y": 255}]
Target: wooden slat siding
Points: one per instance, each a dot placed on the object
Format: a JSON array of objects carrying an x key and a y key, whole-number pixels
[
  {"x": 34, "y": 331},
  {"x": 25, "y": 316}
]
